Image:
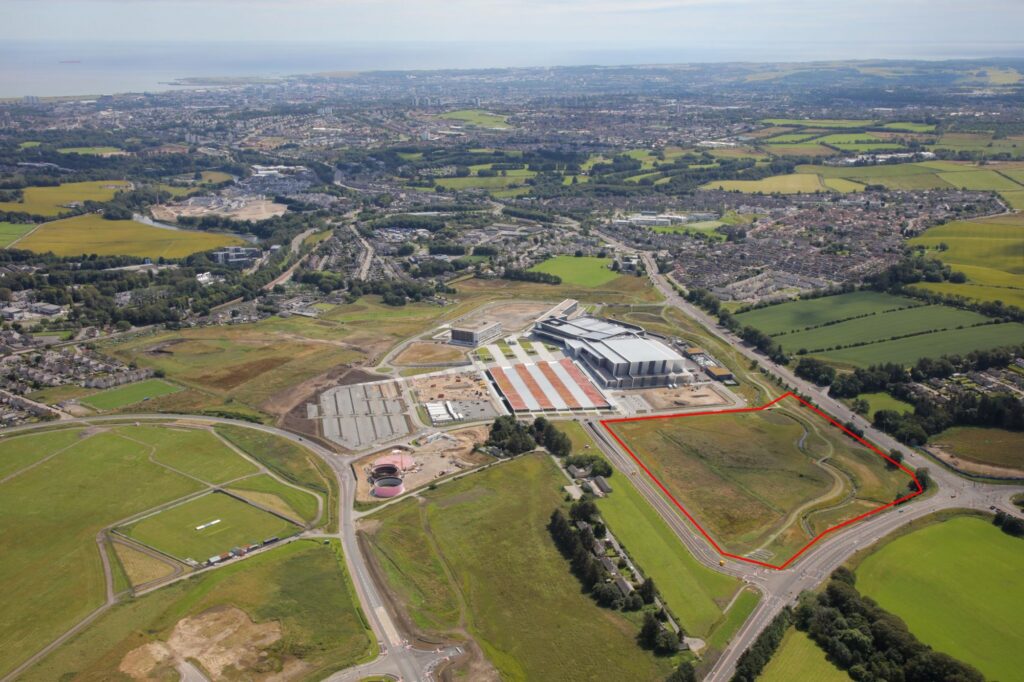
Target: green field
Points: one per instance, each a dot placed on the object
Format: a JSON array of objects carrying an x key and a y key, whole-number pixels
[
  {"x": 10, "y": 232},
  {"x": 50, "y": 567},
  {"x": 983, "y": 445},
  {"x": 197, "y": 452},
  {"x": 907, "y": 351},
  {"x": 782, "y": 184},
  {"x": 174, "y": 531},
  {"x": 51, "y": 201},
  {"x": 910, "y": 126},
  {"x": 303, "y": 588},
  {"x": 91, "y": 151},
  {"x": 981, "y": 143},
  {"x": 956, "y": 585},
  {"x": 795, "y": 315},
  {"x": 750, "y": 477},
  {"x": 884, "y": 401},
  {"x": 818, "y": 122},
  {"x": 580, "y": 272},
  {"x": 476, "y": 555},
  {"x": 858, "y": 142},
  {"x": 113, "y": 398},
  {"x": 477, "y": 117},
  {"x": 799, "y": 658},
  {"x": 299, "y": 504},
  {"x": 91, "y": 233},
  {"x": 990, "y": 252}
]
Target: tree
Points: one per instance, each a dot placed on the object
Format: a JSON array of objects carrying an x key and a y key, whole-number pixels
[
  {"x": 648, "y": 636},
  {"x": 684, "y": 673},
  {"x": 606, "y": 594},
  {"x": 648, "y": 591},
  {"x": 666, "y": 642},
  {"x": 861, "y": 406}
]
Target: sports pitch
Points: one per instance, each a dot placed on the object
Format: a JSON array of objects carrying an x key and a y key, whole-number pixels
[
  {"x": 753, "y": 480},
  {"x": 582, "y": 272},
  {"x": 207, "y": 526}
]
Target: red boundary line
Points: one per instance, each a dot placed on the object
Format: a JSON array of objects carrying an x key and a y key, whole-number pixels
[{"x": 607, "y": 422}]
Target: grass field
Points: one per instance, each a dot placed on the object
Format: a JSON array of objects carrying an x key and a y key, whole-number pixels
[
  {"x": 50, "y": 201},
  {"x": 796, "y": 315},
  {"x": 750, "y": 477},
  {"x": 50, "y": 566},
  {"x": 302, "y": 588},
  {"x": 113, "y": 398},
  {"x": 799, "y": 658},
  {"x": 175, "y": 531},
  {"x": 990, "y": 252},
  {"x": 10, "y": 232},
  {"x": 477, "y": 117},
  {"x": 525, "y": 609},
  {"x": 955, "y": 584},
  {"x": 286, "y": 459},
  {"x": 910, "y": 126},
  {"x": 195, "y": 452},
  {"x": 907, "y": 351},
  {"x": 818, "y": 122},
  {"x": 884, "y": 401},
  {"x": 983, "y": 445},
  {"x": 92, "y": 233},
  {"x": 91, "y": 151},
  {"x": 580, "y": 272},
  {"x": 782, "y": 184},
  {"x": 272, "y": 494}
]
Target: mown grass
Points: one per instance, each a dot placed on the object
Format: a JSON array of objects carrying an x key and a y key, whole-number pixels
[
  {"x": 796, "y": 315},
  {"x": 303, "y": 586},
  {"x": 302, "y": 504},
  {"x": 799, "y": 658},
  {"x": 10, "y": 232},
  {"x": 114, "y": 398},
  {"x": 884, "y": 401},
  {"x": 955, "y": 585},
  {"x": 582, "y": 272},
  {"x": 196, "y": 452},
  {"x": 91, "y": 233},
  {"x": 909, "y": 350},
  {"x": 477, "y": 117},
  {"x": 478, "y": 551}
]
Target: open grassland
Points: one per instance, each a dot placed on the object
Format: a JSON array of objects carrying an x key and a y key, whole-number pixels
[
  {"x": 525, "y": 610},
  {"x": 884, "y": 401},
  {"x": 288, "y": 460},
  {"x": 801, "y": 149},
  {"x": 797, "y": 315},
  {"x": 956, "y": 585},
  {"x": 268, "y": 492},
  {"x": 114, "y": 398},
  {"x": 194, "y": 452},
  {"x": 10, "y": 232},
  {"x": 477, "y": 117},
  {"x": 750, "y": 477},
  {"x": 581, "y": 272},
  {"x": 783, "y": 184},
  {"x": 818, "y": 122},
  {"x": 497, "y": 182},
  {"x": 91, "y": 233},
  {"x": 909, "y": 350},
  {"x": 859, "y": 142},
  {"x": 880, "y": 327},
  {"x": 139, "y": 567},
  {"x": 51, "y": 201},
  {"x": 18, "y": 452},
  {"x": 983, "y": 445},
  {"x": 91, "y": 151},
  {"x": 799, "y": 658},
  {"x": 176, "y": 531},
  {"x": 621, "y": 289},
  {"x": 981, "y": 143},
  {"x": 990, "y": 252},
  {"x": 51, "y": 514},
  {"x": 909, "y": 126},
  {"x": 694, "y": 592},
  {"x": 301, "y": 588}
]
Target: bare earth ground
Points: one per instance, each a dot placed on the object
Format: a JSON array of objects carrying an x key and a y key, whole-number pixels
[
  {"x": 971, "y": 467},
  {"x": 683, "y": 396},
  {"x": 425, "y": 353},
  {"x": 473, "y": 665},
  {"x": 462, "y": 386},
  {"x": 513, "y": 315},
  {"x": 218, "y": 639},
  {"x": 443, "y": 457},
  {"x": 249, "y": 209}
]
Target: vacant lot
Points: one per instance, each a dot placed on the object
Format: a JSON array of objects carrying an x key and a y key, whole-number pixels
[
  {"x": 429, "y": 353},
  {"x": 91, "y": 233},
  {"x": 797, "y": 315},
  {"x": 955, "y": 585},
  {"x": 580, "y": 272},
  {"x": 177, "y": 531},
  {"x": 291, "y": 609},
  {"x": 525, "y": 610},
  {"x": 121, "y": 396},
  {"x": 51, "y": 201},
  {"x": 799, "y": 658}
]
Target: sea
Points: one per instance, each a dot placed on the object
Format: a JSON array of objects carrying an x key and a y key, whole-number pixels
[{"x": 42, "y": 69}]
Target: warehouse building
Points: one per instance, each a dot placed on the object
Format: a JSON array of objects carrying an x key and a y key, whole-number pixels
[
  {"x": 474, "y": 335},
  {"x": 617, "y": 355}
]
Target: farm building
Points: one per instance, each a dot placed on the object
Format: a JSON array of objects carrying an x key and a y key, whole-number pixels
[
  {"x": 474, "y": 335},
  {"x": 618, "y": 355}
]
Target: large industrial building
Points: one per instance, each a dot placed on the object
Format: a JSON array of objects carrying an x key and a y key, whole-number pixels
[
  {"x": 618, "y": 355},
  {"x": 474, "y": 335}
]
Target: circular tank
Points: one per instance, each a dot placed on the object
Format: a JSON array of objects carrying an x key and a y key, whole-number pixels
[
  {"x": 383, "y": 470},
  {"x": 388, "y": 487}
]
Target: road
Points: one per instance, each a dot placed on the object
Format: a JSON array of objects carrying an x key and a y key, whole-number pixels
[
  {"x": 397, "y": 657},
  {"x": 781, "y": 587}
]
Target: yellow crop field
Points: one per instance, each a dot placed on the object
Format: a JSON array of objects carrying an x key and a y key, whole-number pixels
[
  {"x": 93, "y": 234},
  {"x": 783, "y": 184},
  {"x": 51, "y": 201}
]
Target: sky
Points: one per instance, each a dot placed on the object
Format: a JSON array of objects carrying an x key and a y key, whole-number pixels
[{"x": 775, "y": 29}]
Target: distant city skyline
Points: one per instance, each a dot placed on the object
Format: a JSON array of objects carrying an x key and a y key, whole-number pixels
[{"x": 696, "y": 30}]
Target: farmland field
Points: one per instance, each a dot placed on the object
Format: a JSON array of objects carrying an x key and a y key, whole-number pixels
[
  {"x": 749, "y": 477},
  {"x": 477, "y": 117},
  {"x": 113, "y": 398},
  {"x": 526, "y": 611},
  {"x": 91, "y": 233},
  {"x": 818, "y": 122},
  {"x": 299, "y": 598},
  {"x": 175, "y": 531},
  {"x": 581, "y": 272},
  {"x": 955, "y": 585},
  {"x": 796, "y": 315},
  {"x": 91, "y": 151},
  {"x": 799, "y": 658},
  {"x": 909, "y": 350},
  {"x": 50, "y": 201},
  {"x": 10, "y": 232},
  {"x": 783, "y": 184},
  {"x": 983, "y": 445}
]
